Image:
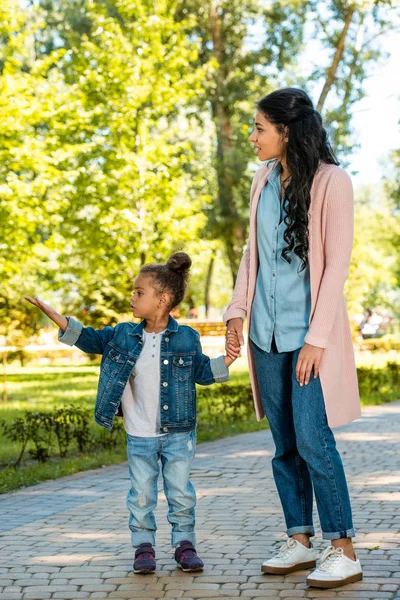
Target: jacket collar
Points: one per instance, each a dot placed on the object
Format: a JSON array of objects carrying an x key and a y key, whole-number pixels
[{"x": 172, "y": 327}]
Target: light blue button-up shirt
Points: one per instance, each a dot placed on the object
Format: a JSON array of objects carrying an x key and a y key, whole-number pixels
[{"x": 282, "y": 302}]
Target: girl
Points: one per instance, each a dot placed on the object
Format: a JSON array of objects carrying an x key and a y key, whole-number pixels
[
  {"x": 290, "y": 286},
  {"x": 149, "y": 370}
]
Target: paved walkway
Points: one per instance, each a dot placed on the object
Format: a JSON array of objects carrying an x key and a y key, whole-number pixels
[{"x": 69, "y": 538}]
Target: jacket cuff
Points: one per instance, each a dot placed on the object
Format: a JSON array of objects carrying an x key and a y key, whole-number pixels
[
  {"x": 219, "y": 369},
  {"x": 71, "y": 335},
  {"x": 315, "y": 341},
  {"x": 233, "y": 314}
]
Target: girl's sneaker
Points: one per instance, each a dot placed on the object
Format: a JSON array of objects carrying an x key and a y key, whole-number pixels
[
  {"x": 186, "y": 557},
  {"x": 335, "y": 570},
  {"x": 144, "y": 559},
  {"x": 292, "y": 556}
]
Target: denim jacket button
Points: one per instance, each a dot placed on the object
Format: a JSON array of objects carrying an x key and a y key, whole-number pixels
[
  {"x": 165, "y": 407},
  {"x": 180, "y": 361},
  {"x": 165, "y": 362},
  {"x": 165, "y": 384},
  {"x": 165, "y": 429},
  {"x": 167, "y": 339}
]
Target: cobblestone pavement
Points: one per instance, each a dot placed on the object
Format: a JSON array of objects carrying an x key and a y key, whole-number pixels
[{"x": 69, "y": 538}]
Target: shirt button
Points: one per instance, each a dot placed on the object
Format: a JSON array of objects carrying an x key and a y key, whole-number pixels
[
  {"x": 276, "y": 227},
  {"x": 165, "y": 407},
  {"x": 272, "y": 295},
  {"x": 165, "y": 384},
  {"x": 167, "y": 339},
  {"x": 273, "y": 251},
  {"x": 153, "y": 355},
  {"x": 165, "y": 362},
  {"x": 165, "y": 429},
  {"x": 273, "y": 274}
]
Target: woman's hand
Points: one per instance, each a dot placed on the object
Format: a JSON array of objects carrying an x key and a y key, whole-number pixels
[
  {"x": 58, "y": 319},
  {"x": 309, "y": 357},
  {"x": 234, "y": 337}
]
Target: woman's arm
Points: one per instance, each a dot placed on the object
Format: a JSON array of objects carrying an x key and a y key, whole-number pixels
[{"x": 337, "y": 249}]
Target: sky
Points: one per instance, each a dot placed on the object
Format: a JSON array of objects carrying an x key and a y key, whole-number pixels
[{"x": 376, "y": 118}]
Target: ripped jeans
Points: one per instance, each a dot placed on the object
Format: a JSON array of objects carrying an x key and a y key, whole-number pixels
[{"x": 175, "y": 452}]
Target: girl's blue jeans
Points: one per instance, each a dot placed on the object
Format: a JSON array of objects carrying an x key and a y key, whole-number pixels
[
  {"x": 306, "y": 456},
  {"x": 175, "y": 453}
]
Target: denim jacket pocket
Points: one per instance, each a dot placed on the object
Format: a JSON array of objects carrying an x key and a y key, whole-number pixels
[
  {"x": 182, "y": 367},
  {"x": 114, "y": 362}
]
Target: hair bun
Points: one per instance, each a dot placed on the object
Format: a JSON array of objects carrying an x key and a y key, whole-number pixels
[{"x": 180, "y": 262}]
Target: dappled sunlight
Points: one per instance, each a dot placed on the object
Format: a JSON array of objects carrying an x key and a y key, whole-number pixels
[
  {"x": 382, "y": 497},
  {"x": 98, "y": 535},
  {"x": 353, "y": 436}
]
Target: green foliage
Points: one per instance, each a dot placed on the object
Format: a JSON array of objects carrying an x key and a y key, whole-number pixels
[
  {"x": 378, "y": 385},
  {"x": 374, "y": 273},
  {"x": 67, "y": 428}
]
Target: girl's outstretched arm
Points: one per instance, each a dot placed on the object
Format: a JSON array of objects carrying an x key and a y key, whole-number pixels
[{"x": 58, "y": 319}]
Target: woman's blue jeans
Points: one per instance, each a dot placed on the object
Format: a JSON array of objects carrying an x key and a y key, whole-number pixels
[
  {"x": 306, "y": 456},
  {"x": 175, "y": 452}
]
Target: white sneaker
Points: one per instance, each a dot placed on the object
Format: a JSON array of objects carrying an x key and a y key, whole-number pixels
[
  {"x": 292, "y": 556},
  {"x": 335, "y": 569}
]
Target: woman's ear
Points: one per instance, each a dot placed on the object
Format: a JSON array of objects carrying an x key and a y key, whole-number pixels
[{"x": 286, "y": 134}]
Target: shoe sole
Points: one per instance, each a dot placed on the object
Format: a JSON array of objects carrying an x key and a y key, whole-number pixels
[
  {"x": 143, "y": 571},
  {"x": 333, "y": 584},
  {"x": 311, "y": 564},
  {"x": 189, "y": 570}
]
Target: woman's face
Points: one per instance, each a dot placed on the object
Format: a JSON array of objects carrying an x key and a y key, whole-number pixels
[{"x": 268, "y": 141}]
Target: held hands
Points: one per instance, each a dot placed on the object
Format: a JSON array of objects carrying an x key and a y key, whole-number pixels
[
  {"x": 58, "y": 319},
  {"x": 234, "y": 340},
  {"x": 309, "y": 357}
]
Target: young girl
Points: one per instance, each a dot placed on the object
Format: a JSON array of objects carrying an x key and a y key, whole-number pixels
[{"x": 149, "y": 371}]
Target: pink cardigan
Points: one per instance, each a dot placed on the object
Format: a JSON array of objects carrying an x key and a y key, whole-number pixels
[{"x": 330, "y": 243}]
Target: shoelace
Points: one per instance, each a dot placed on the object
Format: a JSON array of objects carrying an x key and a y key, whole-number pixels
[
  {"x": 189, "y": 554},
  {"x": 287, "y": 548},
  {"x": 145, "y": 555},
  {"x": 329, "y": 559}
]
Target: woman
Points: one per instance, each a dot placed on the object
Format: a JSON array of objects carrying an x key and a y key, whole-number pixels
[{"x": 290, "y": 286}]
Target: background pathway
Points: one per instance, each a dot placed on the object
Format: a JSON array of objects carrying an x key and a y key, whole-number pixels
[{"x": 69, "y": 538}]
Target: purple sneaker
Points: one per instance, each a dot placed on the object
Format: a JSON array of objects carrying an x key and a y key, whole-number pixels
[
  {"x": 144, "y": 559},
  {"x": 186, "y": 557}
]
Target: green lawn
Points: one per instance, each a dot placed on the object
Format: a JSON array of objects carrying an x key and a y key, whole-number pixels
[{"x": 44, "y": 388}]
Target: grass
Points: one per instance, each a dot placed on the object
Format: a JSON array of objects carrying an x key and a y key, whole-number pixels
[{"x": 43, "y": 388}]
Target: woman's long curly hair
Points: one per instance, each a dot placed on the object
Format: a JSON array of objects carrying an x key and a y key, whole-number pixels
[{"x": 307, "y": 146}]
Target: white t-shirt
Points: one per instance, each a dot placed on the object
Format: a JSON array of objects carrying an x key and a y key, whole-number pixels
[{"x": 141, "y": 397}]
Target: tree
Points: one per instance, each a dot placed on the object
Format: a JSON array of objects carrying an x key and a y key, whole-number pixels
[
  {"x": 238, "y": 73},
  {"x": 351, "y": 33}
]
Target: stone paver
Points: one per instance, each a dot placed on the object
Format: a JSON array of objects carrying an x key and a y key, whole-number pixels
[{"x": 68, "y": 538}]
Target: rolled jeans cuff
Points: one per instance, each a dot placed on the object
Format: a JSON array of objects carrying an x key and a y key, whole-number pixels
[
  {"x": 338, "y": 535},
  {"x": 303, "y": 529},
  {"x": 143, "y": 537},
  {"x": 179, "y": 536}
]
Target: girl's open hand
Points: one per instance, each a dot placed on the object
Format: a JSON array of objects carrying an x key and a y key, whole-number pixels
[{"x": 48, "y": 310}]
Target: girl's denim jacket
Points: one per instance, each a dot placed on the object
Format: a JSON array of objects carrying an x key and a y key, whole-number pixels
[{"x": 182, "y": 365}]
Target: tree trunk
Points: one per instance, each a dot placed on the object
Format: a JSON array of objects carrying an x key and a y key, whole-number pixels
[
  {"x": 4, "y": 376},
  {"x": 234, "y": 231},
  {"x": 331, "y": 74},
  {"x": 208, "y": 283}
]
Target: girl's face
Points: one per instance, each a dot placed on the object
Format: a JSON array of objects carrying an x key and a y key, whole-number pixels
[
  {"x": 268, "y": 142},
  {"x": 146, "y": 301}
]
